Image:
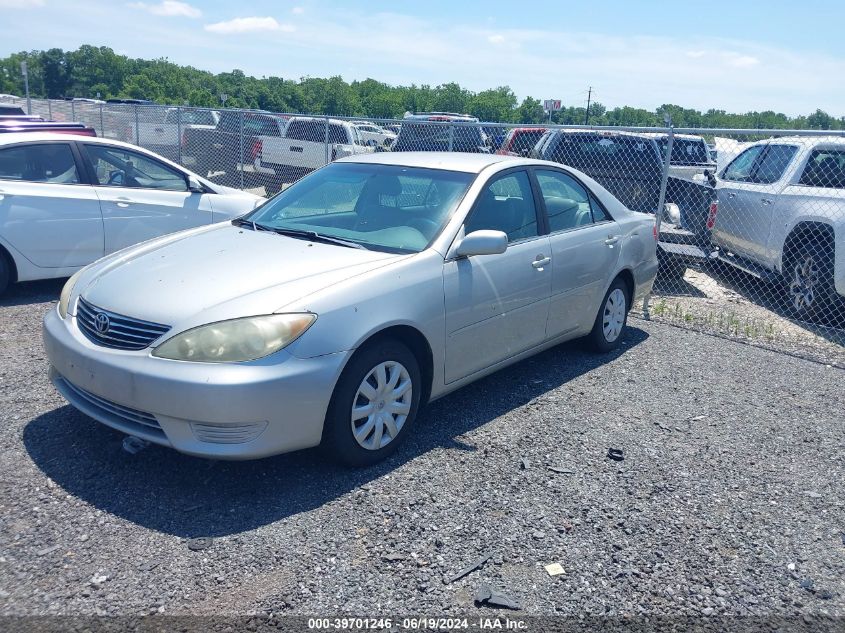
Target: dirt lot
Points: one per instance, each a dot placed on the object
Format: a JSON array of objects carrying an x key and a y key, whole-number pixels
[{"x": 729, "y": 499}]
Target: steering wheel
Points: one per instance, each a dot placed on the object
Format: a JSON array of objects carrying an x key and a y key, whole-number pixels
[
  {"x": 116, "y": 177},
  {"x": 426, "y": 226}
]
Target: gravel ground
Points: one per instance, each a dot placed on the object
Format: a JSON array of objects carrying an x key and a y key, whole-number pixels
[
  {"x": 729, "y": 498},
  {"x": 731, "y": 303}
]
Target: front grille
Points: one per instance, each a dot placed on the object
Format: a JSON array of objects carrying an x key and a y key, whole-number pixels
[
  {"x": 121, "y": 332},
  {"x": 114, "y": 411}
]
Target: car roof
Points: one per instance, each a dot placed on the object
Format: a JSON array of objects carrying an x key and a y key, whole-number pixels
[
  {"x": 451, "y": 161},
  {"x": 806, "y": 142},
  {"x": 31, "y": 137}
]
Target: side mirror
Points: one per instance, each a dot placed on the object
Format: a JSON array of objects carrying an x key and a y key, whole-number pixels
[
  {"x": 194, "y": 185},
  {"x": 711, "y": 178},
  {"x": 483, "y": 243}
]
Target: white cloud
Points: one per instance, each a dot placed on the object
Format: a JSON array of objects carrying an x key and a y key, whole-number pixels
[
  {"x": 297, "y": 10},
  {"x": 743, "y": 61},
  {"x": 696, "y": 54},
  {"x": 496, "y": 39},
  {"x": 21, "y": 4},
  {"x": 248, "y": 25},
  {"x": 169, "y": 8}
]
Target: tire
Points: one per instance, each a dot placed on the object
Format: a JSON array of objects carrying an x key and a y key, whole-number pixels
[
  {"x": 808, "y": 276},
  {"x": 369, "y": 446},
  {"x": 5, "y": 272},
  {"x": 607, "y": 338}
]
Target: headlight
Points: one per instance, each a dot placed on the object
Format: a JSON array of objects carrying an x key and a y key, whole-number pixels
[
  {"x": 64, "y": 298},
  {"x": 237, "y": 340},
  {"x": 672, "y": 212}
]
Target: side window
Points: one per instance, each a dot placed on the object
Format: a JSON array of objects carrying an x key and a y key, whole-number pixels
[
  {"x": 600, "y": 214},
  {"x": 825, "y": 168},
  {"x": 506, "y": 204},
  {"x": 49, "y": 162},
  {"x": 567, "y": 202},
  {"x": 311, "y": 131},
  {"x": 118, "y": 167},
  {"x": 741, "y": 168},
  {"x": 770, "y": 168}
]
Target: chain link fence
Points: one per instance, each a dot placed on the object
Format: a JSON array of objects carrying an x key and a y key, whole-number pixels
[{"x": 751, "y": 222}]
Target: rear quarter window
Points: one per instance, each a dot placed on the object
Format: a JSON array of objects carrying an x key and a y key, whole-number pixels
[{"x": 825, "y": 168}]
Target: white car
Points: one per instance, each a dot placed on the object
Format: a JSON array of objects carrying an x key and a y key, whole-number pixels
[
  {"x": 374, "y": 135},
  {"x": 782, "y": 217},
  {"x": 66, "y": 201}
]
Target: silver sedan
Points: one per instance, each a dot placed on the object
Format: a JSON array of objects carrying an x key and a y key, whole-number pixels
[{"x": 332, "y": 313}]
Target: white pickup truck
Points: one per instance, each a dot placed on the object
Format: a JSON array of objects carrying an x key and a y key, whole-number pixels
[
  {"x": 307, "y": 143},
  {"x": 162, "y": 131},
  {"x": 782, "y": 217}
]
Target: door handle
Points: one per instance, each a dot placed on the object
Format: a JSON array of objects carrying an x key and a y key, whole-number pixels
[
  {"x": 541, "y": 261},
  {"x": 611, "y": 240},
  {"x": 766, "y": 201},
  {"x": 731, "y": 195}
]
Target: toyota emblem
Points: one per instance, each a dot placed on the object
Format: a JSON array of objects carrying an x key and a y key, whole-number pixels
[{"x": 101, "y": 321}]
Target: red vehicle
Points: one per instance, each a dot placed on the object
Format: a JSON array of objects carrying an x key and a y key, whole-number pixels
[
  {"x": 59, "y": 127},
  {"x": 521, "y": 140}
]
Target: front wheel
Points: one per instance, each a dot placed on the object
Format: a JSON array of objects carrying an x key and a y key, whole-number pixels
[
  {"x": 374, "y": 404},
  {"x": 609, "y": 327}
]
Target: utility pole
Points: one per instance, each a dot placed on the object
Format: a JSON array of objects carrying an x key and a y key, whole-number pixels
[
  {"x": 25, "y": 73},
  {"x": 587, "y": 114}
]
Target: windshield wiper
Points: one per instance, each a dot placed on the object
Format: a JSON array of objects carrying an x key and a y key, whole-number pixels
[
  {"x": 251, "y": 224},
  {"x": 314, "y": 236}
]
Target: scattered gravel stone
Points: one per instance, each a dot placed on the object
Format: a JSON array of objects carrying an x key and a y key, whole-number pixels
[
  {"x": 484, "y": 595},
  {"x": 200, "y": 543}
]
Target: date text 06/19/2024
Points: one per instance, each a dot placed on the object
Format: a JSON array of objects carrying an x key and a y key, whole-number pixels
[{"x": 421, "y": 623}]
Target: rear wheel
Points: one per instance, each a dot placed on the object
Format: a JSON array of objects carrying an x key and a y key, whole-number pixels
[
  {"x": 609, "y": 327},
  {"x": 374, "y": 404},
  {"x": 808, "y": 273}
]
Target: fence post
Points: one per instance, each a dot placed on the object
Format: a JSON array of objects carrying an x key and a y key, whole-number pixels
[
  {"x": 50, "y": 109},
  {"x": 326, "y": 139},
  {"x": 241, "y": 145},
  {"x": 137, "y": 128},
  {"x": 451, "y": 137},
  {"x": 72, "y": 111},
  {"x": 179, "y": 133},
  {"x": 658, "y": 212},
  {"x": 102, "y": 124}
]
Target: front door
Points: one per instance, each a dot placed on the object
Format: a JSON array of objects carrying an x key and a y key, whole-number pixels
[
  {"x": 748, "y": 193},
  {"x": 143, "y": 198},
  {"x": 497, "y": 305}
]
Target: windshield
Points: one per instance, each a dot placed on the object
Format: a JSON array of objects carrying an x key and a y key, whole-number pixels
[{"x": 382, "y": 207}]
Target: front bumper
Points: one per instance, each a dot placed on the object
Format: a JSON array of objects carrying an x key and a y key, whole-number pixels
[{"x": 224, "y": 411}]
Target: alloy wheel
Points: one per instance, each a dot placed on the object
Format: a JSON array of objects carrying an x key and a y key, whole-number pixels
[{"x": 805, "y": 275}]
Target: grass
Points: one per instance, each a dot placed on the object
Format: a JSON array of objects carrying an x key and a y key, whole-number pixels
[{"x": 723, "y": 322}]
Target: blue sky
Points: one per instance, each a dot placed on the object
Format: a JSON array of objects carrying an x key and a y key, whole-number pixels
[{"x": 736, "y": 56}]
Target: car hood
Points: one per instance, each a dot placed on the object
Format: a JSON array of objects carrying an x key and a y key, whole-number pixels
[{"x": 220, "y": 273}]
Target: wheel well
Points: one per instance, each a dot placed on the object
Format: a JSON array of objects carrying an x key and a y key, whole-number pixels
[
  {"x": 628, "y": 278},
  {"x": 13, "y": 270},
  {"x": 418, "y": 344},
  {"x": 804, "y": 231}
]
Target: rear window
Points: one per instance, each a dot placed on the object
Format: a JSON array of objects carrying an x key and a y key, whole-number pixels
[
  {"x": 425, "y": 135},
  {"x": 312, "y": 131},
  {"x": 686, "y": 151},
  {"x": 597, "y": 151},
  {"x": 825, "y": 168},
  {"x": 524, "y": 140}
]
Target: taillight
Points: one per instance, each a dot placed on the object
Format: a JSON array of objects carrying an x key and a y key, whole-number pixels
[
  {"x": 257, "y": 147},
  {"x": 654, "y": 230},
  {"x": 711, "y": 216}
]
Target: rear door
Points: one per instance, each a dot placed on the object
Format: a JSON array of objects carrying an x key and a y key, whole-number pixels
[
  {"x": 142, "y": 198},
  {"x": 48, "y": 211},
  {"x": 584, "y": 243}
]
